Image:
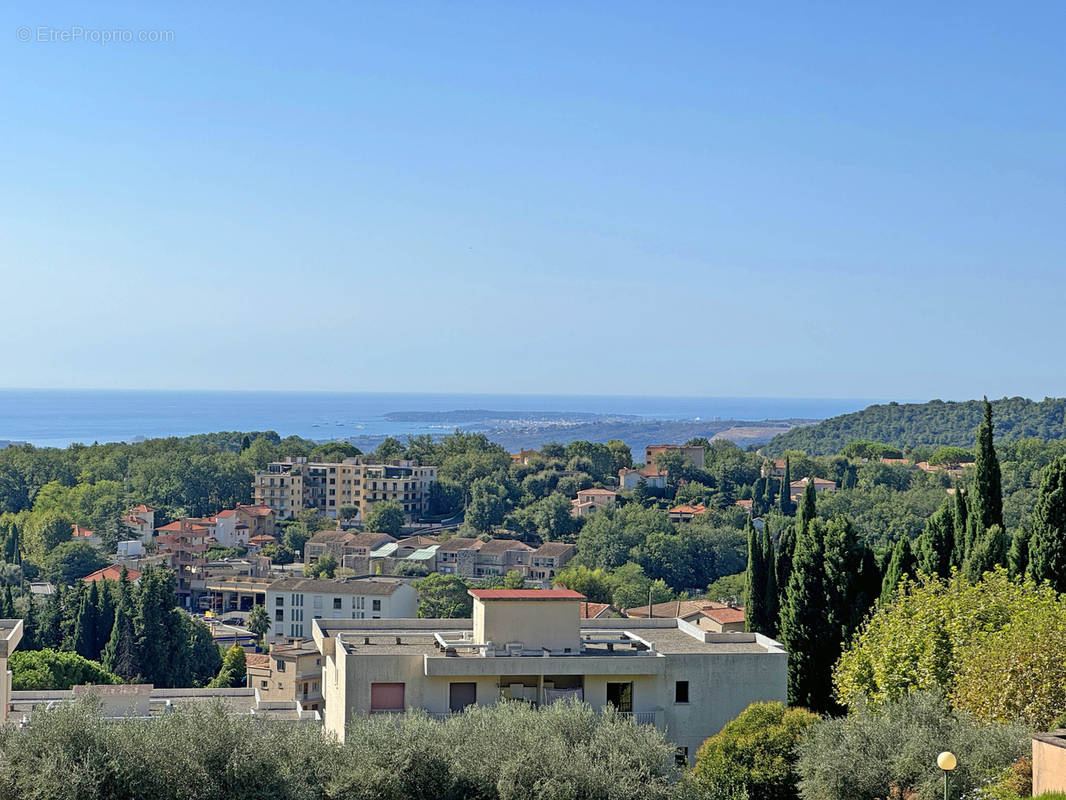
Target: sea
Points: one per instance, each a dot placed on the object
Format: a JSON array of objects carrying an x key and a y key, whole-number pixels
[{"x": 60, "y": 417}]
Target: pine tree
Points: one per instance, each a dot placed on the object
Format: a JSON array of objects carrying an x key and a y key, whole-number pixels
[
  {"x": 788, "y": 508},
  {"x": 1047, "y": 549},
  {"x": 86, "y": 633},
  {"x": 961, "y": 525},
  {"x": 806, "y": 630},
  {"x": 755, "y": 584},
  {"x": 773, "y": 605},
  {"x": 937, "y": 542},
  {"x": 1018, "y": 558},
  {"x": 990, "y": 550},
  {"x": 901, "y": 563},
  {"x": 808, "y": 509},
  {"x": 986, "y": 497}
]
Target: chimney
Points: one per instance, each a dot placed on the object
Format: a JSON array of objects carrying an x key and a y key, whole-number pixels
[{"x": 651, "y": 608}]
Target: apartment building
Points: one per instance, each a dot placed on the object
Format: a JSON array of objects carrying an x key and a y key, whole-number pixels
[
  {"x": 293, "y": 603},
  {"x": 475, "y": 558},
  {"x": 343, "y": 544},
  {"x": 291, "y": 671},
  {"x": 10, "y": 636},
  {"x": 694, "y": 453},
  {"x": 296, "y": 484},
  {"x": 547, "y": 560},
  {"x": 532, "y": 645},
  {"x": 184, "y": 542},
  {"x": 140, "y": 523}
]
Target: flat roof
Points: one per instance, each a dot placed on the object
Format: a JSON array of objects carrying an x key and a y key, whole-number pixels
[{"x": 526, "y": 594}]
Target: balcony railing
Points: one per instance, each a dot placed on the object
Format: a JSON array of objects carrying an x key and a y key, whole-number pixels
[{"x": 640, "y": 717}]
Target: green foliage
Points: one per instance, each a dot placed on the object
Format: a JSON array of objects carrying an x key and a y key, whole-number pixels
[
  {"x": 443, "y": 597},
  {"x": 901, "y": 564},
  {"x": 385, "y": 517},
  {"x": 629, "y": 587},
  {"x": 505, "y": 752},
  {"x": 890, "y": 751},
  {"x": 934, "y": 423},
  {"x": 729, "y": 588},
  {"x": 937, "y": 542},
  {"x": 259, "y": 621},
  {"x": 986, "y": 493},
  {"x": 44, "y": 532},
  {"x": 1047, "y": 550},
  {"x": 69, "y": 561},
  {"x": 50, "y": 669},
  {"x": 595, "y": 584},
  {"x": 864, "y": 449},
  {"x": 756, "y": 752},
  {"x": 513, "y": 580},
  {"x": 325, "y": 567},
  {"x": 756, "y": 617},
  {"x": 951, "y": 455}
]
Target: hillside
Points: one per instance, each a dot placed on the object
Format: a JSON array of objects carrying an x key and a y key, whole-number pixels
[{"x": 934, "y": 423}]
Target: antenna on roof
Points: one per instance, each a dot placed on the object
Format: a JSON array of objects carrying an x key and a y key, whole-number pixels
[{"x": 651, "y": 608}]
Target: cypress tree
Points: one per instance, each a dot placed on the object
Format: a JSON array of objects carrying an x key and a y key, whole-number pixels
[
  {"x": 960, "y": 525},
  {"x": 901, "y": 563},
  {"x": 30, "y": 626},
  {"x": 86, "y": 633},
  {"x": 11, "y": 544},
  {"x": 788, "y": 508},
  {"x": 1018, "y": 558},
  {"x": 120, "y": 654},
  {"x": 773, "y": 605},
  {"x": 105, "y": 614},
  {"x": 755, "y": 584},
  {"x": 7, "y": 604},
  {"x": 990, "y": 550},
  {"x": 1047, "y": 549},
  {"x": 808, "y": 506},
  {"x": 50, "y": 630},
  {"x": 937, "y": 542},
  {"x": 806, "y": 630},
  {"x": 843, "y": 578},
  {"x": 986, "y": 498},
  {"x": 786, "y": 548}
]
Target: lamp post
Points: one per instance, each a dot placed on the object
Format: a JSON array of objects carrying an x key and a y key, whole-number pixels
[{"x": 947, "y": 762}]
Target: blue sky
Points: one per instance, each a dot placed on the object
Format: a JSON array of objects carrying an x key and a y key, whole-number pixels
[{"x": 688, "y": 198}]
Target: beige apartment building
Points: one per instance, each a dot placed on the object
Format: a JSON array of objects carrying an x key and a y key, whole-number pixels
[
  {"x": 532, "y": 645},
  {"x": 296, "y": 484},
  {"x": 291, "y": 671}
]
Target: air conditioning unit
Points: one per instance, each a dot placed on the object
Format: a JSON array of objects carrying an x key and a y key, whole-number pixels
[{"x": 515, "y": 648}]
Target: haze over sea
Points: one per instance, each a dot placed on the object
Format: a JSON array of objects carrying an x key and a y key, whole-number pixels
[{"x": 59, "y": 417}]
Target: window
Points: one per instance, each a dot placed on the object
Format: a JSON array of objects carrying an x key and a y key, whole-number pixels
[
  {"x": 461, "y": 695},
  {"x": 681, "y": 756},
  {"x": 620, "y": 695},
  {"x": 336, "y": 603},
  {"x": 279, "y": 615},
  {"x": 279, "y": 601},
  {"x": 386, "y": 697},
  {"x": 279, "y": 665},
  {"x": 318, "y": 601},
  {"x": 263, "y": 684},
  {"x": 376, "y": 606},
  {"x": 681, "y": 691}
]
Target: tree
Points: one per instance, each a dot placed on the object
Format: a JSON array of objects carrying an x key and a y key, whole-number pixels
[
  {"x": 901, "y": 563},
  {"x": 937, "y": 542},
  {"x": 805, "y": 626},
  {"x": 235, "y": 663},
  {"x": 788, "y": 508},
  {"x": 121, "y": 655},
  {"x": 1018, "y": 557},
  {"x": 786, "y": 548},
  {"x": 385, "y": 517},
  {"x": 295, "y": 537},
  {"x": 755, "y": 752},
  {"x": 553, "y": 518},
  {"x": 755, "y": 611},
  {"x": 70, "y": 561},
  {"x": 890, "y": 750},
  {"x": 443, "y": 597},
  {"x": 960, "y": 524},
  {"x": 259, "y": 622},
  {"x": 325, "y": 567},
  {"x": 86, "y": 636},
  {"x": 513, "y": 580},
  {"x": 348, "y": 512},
  {"x": 772, "y": 593},
  {"x": 852, "y": 581},
  {"x": 808, "y": 508},
  {"x": 487, "y": 506},
  {"x": 204, "y": 658},
  {"x": 50, "y": 669},
  {"x": 44, "y": 532},
  {"x": 621, "y": 455},
  {"x": 1047, "y": 548},
  {"x": 629, "y": 587},
  {"x": 389, "y": 450},
  {"x": 986, "y": 495},
  {"x": 595, "y": 584}
]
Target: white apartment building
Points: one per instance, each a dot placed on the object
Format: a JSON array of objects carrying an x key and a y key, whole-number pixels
[
  {"x": 293, "y": 603},
  {"x": 532, "y": 645}
]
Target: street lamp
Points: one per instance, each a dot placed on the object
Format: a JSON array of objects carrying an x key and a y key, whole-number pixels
[{"x": 947, "y": 762}]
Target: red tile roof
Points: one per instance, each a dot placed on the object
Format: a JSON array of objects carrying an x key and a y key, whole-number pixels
[
  {"x": 263, "y": 538},
  {"x": 725, "y": 615},
  {"x": 229, "y": 512},
  {"x": 593, "y": 610},
  {"x": 526, "y": 594},
  {"x": 256, "y": 511},
  {"x": 745, "y": 503},
  {"x": 78, "y": 530},
  {"x": 598, "y": 492},
  {"x": 189, "y": 527},
  {"x": 112, "y": 572},
  {"x": 142, "y": 508},
  {"x": 688, "y": 509},
  {"x": 256, "y": 660}
]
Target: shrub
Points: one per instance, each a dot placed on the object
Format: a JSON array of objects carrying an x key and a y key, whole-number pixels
[
  {"x": 52, "y": 669},
  {"x": 755, "y": 752}
]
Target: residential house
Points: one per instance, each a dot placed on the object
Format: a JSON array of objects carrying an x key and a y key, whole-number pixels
[
  {"x": 523, "y": 456},
  {"x": 291, "y": 671},
  {"x": 690, "y": 611},
  {"x": 258, "y": 542},
  {"x": 694, "y": 453},
  {"x": 821, "y": 486},
  {"x": 773, "y": 468},
  {"x": 589, "y": 500},
  {"x": 80, "y": 533},
  {"x": 185, "y": 542},
  {"x": 294, "y": 602},
  {"x": 547, "y": 560},
  {"x": 497, "y": 557},
  {"x": 724, "y": 620},
  {"x": 532, "y": 645},
  {"x": 343, "y": 545},
  {"x": 598, "y": 610},
  {"x": 686, "y": 513},
  {"x": 629, "y": 479},
  {"x": 259, "y": 519},
  {"x": 747, "y": 505},
  {"x": 112, "y": 572},
  {"x": 140, "y": 522},
  {"x": 419, "y": 553}
]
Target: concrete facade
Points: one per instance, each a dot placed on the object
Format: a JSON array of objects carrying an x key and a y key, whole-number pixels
[
  {"x": 294, "y": 603},
  {"x": 666, "y": 672},
  {"x": 1049, "y": 762},
  {"x": 10, "y": 636}
]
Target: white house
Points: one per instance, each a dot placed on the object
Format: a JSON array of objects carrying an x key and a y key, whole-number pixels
[{"x": 293, "y": 603}]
